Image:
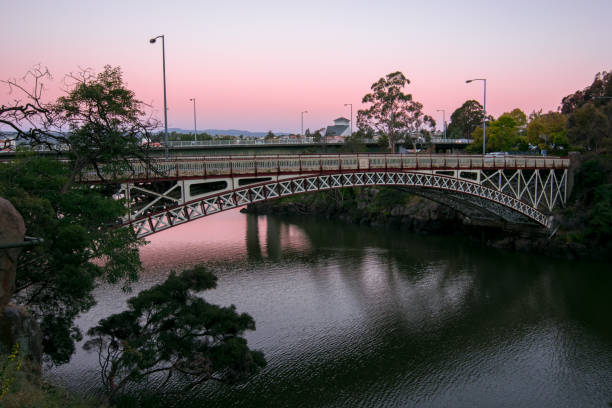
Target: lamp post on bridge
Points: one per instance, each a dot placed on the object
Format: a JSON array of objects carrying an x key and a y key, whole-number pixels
[
  {"x": 302, "y": 128},
  {"x": 484, "y": 113},
  {"x": 195, "y": 128},
  {"x": 351, "y": 105},
  {"x": 152, "y": 41},
  {"x": 443, "y": 120}
]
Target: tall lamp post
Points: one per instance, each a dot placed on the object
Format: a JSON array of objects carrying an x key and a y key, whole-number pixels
[
  {"x": 351, "y": 105},
  {"x": 195, "y": 128},
  {"x": 302, "y": 128},
  {"x": 484, "y": 112},
  {"x": 152, "y": 41},
  {"x": 443, "y": 120}
]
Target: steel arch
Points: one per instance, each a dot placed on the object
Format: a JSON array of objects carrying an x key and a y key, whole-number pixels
[{"x": 181, "y": 213}]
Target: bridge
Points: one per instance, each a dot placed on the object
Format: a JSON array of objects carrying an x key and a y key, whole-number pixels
[{"x": 164, "y": 193}]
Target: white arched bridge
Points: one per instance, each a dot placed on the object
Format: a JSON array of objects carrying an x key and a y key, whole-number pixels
[{"x": 167, "y": 192}]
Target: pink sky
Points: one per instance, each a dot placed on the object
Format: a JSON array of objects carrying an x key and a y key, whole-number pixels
[{"x": 257, "y": 65}]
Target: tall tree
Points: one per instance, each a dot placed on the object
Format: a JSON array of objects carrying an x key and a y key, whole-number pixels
[
  {"x": 102, "y": 124},
  {"x": 99, "y": 123},
  {"x": 54, "y": 280},
  {"x": 590, "y": 127},
  {"x": 465, "y": 119},
  {"x": 392, "y": 113},
  {"x": 168, "y": 330},
  {"x": 601, "y": 86}
]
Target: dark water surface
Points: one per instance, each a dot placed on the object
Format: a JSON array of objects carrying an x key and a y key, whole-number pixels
[{"x": 349, "y": 316}]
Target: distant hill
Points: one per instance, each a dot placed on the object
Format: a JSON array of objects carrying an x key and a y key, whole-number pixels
[{"x": 227, "y": 132}]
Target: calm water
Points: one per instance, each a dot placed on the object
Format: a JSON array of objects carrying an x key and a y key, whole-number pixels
[{"x": 354, "y": 317}]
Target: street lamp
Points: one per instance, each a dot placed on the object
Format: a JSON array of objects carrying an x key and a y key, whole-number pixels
[
  {"x": 152, "y": 41},
  {"x": 351, "y": 105},
  {"x": 195, "y": 128},
  {"x": 443, "y": 120},
  {"x": 484, "y": 113},
  {"x": 302, "y": 128}
]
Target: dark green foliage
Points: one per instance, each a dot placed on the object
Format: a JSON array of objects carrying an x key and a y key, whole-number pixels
[
  {"x": 465, "y": 120},
  {"x": 600, "y": 223},
  {"x": 590, "y": 127},
  {"x": 354, "y": 144},
  {"x": 168, "y": 330},
  {"x": 55, "y": 279},
  {"x": 106, "y": 123},
  {"x": 590, "y": 207},
  {"x": 601, "y": 86}
]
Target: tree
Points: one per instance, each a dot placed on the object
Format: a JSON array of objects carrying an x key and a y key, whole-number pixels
[
  {"x": 601, "y": 86},
  {"x": 316, "y": 136},
  {"x": 102, "y": 124},
  {"x": 100, "y": 121},
  {"x": 170, "y": 331},
  {"x": 547, "y": 130},
  {"x": 54, "y": 280},
  {"x": 307, "y": 133},
  {"x": 503, "y": 134},
  {"x": 269, "y": 135},
  {"x": 392, "y": 113},
  {"x": 465, "y": 119},
  {"x": 520, "y": 119},
  {"x": 590, "y": 127}
]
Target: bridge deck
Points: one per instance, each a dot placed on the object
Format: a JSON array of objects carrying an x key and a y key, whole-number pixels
[{"x": 230, "y": 166}]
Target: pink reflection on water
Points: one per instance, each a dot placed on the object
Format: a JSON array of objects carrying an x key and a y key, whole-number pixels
[{"x": 226, "y": 236}]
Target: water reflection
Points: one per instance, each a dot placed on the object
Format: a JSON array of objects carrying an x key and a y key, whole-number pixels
[{"x": 350, "y": 316}]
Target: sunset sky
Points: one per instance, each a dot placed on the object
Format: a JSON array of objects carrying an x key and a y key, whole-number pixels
[{"x": 255, "y": 65}]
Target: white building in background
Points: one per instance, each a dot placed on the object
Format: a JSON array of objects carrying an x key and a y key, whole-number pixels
[{"x": 338, "y": 131}]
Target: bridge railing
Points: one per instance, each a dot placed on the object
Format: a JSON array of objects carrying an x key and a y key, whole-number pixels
[{"x": 216, "y": 166}]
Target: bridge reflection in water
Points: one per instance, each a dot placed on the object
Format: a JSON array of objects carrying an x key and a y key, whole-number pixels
[{"x": 516, "y": 189}]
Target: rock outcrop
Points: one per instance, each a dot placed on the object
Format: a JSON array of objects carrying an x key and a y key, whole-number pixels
[
  {"x": 12, "y": 229},
  {"x": 17, "y": 326}
]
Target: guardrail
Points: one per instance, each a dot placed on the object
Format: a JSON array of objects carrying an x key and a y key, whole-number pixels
[
  {"x": 253, "y": 142},
  {"x": 230, "y": 166}
]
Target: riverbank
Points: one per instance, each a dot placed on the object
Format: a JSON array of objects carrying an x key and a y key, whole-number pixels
[{"x": 29, "y": 390}]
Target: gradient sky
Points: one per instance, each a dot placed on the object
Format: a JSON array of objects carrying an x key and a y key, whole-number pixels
[{"x": 255, "y": 65}]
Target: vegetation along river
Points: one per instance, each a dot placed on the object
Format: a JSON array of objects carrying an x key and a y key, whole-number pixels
[{"x": 351, "y": 316}]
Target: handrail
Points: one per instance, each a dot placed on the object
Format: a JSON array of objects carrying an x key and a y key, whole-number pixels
[{"x": 217, "y": 166}]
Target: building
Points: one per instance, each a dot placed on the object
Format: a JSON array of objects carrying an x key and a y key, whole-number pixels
[{"x": 338, "y": 131}]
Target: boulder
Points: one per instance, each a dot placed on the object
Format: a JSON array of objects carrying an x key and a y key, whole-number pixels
[
  {"x": 17, "y": 326},
  {"x": 12, "y": 229}
]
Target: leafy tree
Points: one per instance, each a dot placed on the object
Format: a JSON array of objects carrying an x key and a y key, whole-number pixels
[
  {"x": 590, "y": 127},
  {"x": 316, "y": 136},
  {"x": 169, "y": 331},
  {"x": 547, "y": 130},
  {"x": 103, "y": 125},
  {"x": 99, "y": 120},
  {"x": 601, "y": 86},
  {"x": 503, "y": 134},
  {"x": 392, "y": 113},
  {"x": 354, "y": 143},
  {"x": 465, "y": 119},
  {"x": 269, "y": 135},
  {"x": 520, "y": 119},
  {"x": 307, "y": 133},
  {"x": 55, "y": 279}
]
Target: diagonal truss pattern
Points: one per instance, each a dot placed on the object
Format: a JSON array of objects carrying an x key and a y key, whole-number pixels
[{"x": 531, "y": 193}]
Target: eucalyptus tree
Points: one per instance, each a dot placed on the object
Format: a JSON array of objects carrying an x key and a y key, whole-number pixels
[{"x": 392, "y": 114}]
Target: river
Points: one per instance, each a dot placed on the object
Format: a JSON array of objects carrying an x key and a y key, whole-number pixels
[{"x": 350, "y": 316}]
